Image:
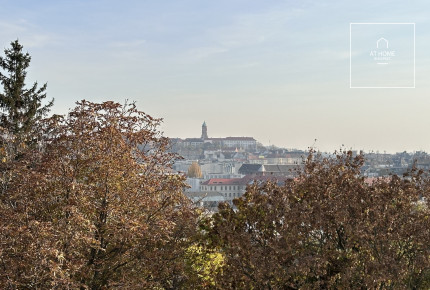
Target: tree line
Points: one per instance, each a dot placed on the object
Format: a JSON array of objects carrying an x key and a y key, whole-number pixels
[{"x": 89, "y": 201}]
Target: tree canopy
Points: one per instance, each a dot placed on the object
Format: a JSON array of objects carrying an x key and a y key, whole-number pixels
[
  {"x": 327, "y": 228},
  {"x": 97, "y": 207}
]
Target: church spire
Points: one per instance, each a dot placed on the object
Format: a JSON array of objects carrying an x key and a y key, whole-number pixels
[{"x": 204, "y": 131}]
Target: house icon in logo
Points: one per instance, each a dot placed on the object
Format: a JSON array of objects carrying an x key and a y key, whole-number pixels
[{"x": 381, "y": 42}]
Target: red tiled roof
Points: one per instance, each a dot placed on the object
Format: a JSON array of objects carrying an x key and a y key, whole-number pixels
[{"x": 223, "y": 181}]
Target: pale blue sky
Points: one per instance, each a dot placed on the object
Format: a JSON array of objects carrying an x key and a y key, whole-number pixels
[{"x": 274, "y": 70}]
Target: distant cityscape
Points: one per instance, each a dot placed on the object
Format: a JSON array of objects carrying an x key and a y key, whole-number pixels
[
  {"x": 219, "y": 169},
  {"x": 247, "y": 143}
]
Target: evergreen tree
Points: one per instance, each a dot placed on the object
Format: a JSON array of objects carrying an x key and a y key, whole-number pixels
[{"x": 20, "y": 107}]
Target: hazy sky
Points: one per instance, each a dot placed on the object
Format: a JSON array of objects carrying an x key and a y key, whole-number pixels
[{"x": 274, "y": 70}]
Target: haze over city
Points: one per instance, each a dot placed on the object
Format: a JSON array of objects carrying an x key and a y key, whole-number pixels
[{"x": 275, "y": 70}]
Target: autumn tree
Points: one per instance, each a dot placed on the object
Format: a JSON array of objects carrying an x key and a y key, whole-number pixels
[
  {"x": 327, "y": 228},
  {"x": 194, "y": 170},
  {"x": 98, "y": 207}
]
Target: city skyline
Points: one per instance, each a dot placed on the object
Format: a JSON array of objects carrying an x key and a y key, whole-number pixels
[{"x": 278, "y": 71}]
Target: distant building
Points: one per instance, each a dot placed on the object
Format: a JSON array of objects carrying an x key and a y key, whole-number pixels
[
  {"x": 232, "y": 188},
  {"x": 194, "y": 184},
  {"x": 193, "y": 142},
  {"x": 222, "y": 175},
  {"x": 208, "y": 200},
  {"x": 240, "y": 142},
  {"x": 248, "y": 143},
  {"x": 219, "y": 168},
  {"x": 268, "y": 169},
  {"x": 204, "y": 131},
  {"x": 248, "y": 169}
]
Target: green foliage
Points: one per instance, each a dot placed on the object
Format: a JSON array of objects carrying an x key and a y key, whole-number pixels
[
  {"x": 203, "y": 265},
  {"x": 21, "y": 106}
]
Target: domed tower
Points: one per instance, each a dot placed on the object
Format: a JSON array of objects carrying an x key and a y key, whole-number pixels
[{"x": 204, "y": 131}]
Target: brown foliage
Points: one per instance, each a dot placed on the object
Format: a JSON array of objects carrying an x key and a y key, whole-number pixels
[
  {"x": 327, "y": 228},
  {"x": 194, "y": 171},
  {"x": 96, "y": 206}
]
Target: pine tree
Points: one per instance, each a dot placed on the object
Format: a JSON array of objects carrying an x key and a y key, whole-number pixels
[{"x": 20, "y": 107}]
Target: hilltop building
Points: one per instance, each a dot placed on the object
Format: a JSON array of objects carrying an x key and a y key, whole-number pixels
[{"x": 246, "y": 143}]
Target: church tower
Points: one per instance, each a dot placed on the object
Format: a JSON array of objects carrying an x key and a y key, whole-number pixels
[{"x": 204, "y": 131}]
